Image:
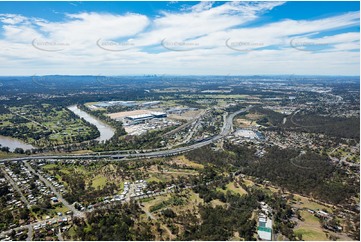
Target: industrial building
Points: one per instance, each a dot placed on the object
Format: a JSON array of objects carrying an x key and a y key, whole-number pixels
[
  {"x": 141, "y": 118},
  {"x": 136, "y": 119},
  {"x": 249, "y": 134},
  {"x": 159, "y": 114},
  {"x": 106, "y": 104},
  {"x": 149, "y": 104},
  {"x": 264, "y": 229},
  {"x": 115, "y": 103}
]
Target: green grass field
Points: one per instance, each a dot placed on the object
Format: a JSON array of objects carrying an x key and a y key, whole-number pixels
[
  {"x": 310, "y": 228},
  {"x": 49, "y": 166},
  {"x": 311, "y": 234},
  {"x": 54, "y": 125},
  {"x": 153, "y": 179},
  {"x": 230, "y": 187},
  {"x": 4, "y": 155},
  {"x": 99, "y": 182},
  {"x": 61, "y": 209}
]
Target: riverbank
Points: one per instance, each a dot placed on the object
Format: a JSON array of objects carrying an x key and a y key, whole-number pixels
[
  {"x": 14, "y": 143},
  {"x": 105, "y": 130}
]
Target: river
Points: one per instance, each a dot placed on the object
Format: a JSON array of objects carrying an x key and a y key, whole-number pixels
[
  {"x": 13, "y": 143},
  {"x": 106, "y": 131}
]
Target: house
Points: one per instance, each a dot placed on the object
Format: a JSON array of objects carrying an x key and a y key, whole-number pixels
[
  {"x": 54, "y": 199},
  {"x": 322, "y": 214},
  {"x": 311, "y": 211}
]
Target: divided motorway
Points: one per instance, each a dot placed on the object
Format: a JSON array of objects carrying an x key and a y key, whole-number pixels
[{"x": 226, "y": 130}]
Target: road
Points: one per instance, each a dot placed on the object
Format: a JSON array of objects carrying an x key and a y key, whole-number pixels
[
  {"x": 226, "y": 130},
  {"x": 30, "y": 233},
  {"x": 151, "y": 216},
  {"x": 13, "y": 184},
  {"x": 60, "y": 236},
  {"x": 33, "y": 121},
  {"x": 132, "y": 187},
  {"x": 30, "y": 226},
  {"x": 343, "y": 159},
  {"x": 76, "y": 212}
]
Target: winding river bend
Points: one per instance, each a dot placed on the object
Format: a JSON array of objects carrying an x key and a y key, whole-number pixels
[
  {"x": 13, "y": 143},
  {"x": 106, "y": 131}
]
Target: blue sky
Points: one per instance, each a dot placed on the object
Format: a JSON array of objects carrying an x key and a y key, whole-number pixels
[{"x": 180, "y": 38}]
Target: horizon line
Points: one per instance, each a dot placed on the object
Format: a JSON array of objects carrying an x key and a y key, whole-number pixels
[{"x": 169, "y": 75}]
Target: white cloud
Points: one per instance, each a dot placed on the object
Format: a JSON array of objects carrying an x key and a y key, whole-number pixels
[
  {"x": 204, "y": 24},
  {"x": 89, "y": 26},
  {"x": 11, "y": 18}
]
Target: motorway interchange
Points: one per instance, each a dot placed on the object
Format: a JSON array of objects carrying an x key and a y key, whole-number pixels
[
  {"x": 226, "y": 129},
  {"x": 132, "y": 188}
]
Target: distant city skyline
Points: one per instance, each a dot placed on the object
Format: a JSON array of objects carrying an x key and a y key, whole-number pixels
[{"x": 179, "y": 38}]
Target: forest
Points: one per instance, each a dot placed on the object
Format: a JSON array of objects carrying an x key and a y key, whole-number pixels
[
  {"x": 117, "y": 223},
  {"x": 220, "y": 222},
  {"x": 311, "y": 122},
  {"x": 309, "y": 174}
]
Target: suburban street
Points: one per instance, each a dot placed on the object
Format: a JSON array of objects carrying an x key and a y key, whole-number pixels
[
  {"x": 13, "y": 184},
  {"x": 30, "y": 226},
  {"x": 76, "y": 212},
  {"x": 226, "y": 130}
]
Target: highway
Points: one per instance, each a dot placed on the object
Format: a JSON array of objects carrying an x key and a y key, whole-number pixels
[{"x": 226, "y": 130}]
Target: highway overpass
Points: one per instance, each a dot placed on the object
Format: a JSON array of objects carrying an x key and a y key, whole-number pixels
[{"x": 226, "y": 130}]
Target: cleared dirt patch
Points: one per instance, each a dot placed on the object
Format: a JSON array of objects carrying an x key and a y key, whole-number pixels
[
  {"x": 182, "y": 160},
  {"x": 187, "y": 115},
  {"x": 254, "y": 116},
  {"x": 240, "y": 122}
]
